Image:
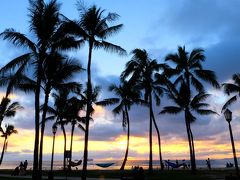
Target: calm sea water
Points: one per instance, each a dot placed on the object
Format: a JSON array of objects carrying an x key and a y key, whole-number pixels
[{"x": 219, "y": 163}]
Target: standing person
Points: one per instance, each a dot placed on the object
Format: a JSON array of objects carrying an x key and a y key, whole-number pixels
[
  {"x": 177, "y": 163},
  {"x": 208, "y": 163},
  {"x": 25, "y": 164},
  {"x": 21, "y": 165},
  {"x": 21, "y": 169}
]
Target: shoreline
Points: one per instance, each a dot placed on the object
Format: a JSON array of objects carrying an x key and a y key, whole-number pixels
[{"x": 179, "y": 174}]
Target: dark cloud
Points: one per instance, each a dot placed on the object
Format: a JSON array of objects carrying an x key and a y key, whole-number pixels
[{"x": 224, "y": 57}]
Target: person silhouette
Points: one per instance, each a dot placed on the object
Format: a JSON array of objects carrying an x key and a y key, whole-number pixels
[
  {"x": 21, "y": 165},
  {"x": 25, "y": 165},
  {"x": 177, "y": 163},
  {"x": 208, "y": 163}
]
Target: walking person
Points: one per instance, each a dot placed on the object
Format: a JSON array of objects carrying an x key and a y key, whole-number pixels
[{"x": 208, "y": 163}]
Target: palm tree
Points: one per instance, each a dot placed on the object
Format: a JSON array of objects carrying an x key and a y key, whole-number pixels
[
  {"x": 57, "y": 70},
  {"x": 66, "y": 110},
  {"x": 8, "y": 110},
  {"x": 10, "y": 129},
  {"x": 184, "y": 103},
  {"x": 95, "y": 28},
  {"x": 127, "y": 94},
  {"x": 58, "y": 112},
  {"x": 49, "y": 36},
  {"x": 232, "y": 88},
  {"x": 142, "y": 69},
  {"x": 189, "y": 69},
  {"x": 74, "y": 105}
]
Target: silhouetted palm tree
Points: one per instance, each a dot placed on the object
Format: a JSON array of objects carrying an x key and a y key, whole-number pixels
[
  {"x": 127, "y": 95},
  {"x": 66, "y": 110},
  {"x": 8, "y": 109},
  {"x": 95, "y": 28},
  {"x": 58, "y": 112},
  {"x": 45, "y": 26},
  {"x": 189, "y": 69},
  {"x": 184, "y": 103},
  {"x": 74, "y": 106},
  {"x": 232, "y": 88},
  {"x": 10, "y": 129},
  {"x": 142, "y": 69},
  {"x": 57, "y": 71}
]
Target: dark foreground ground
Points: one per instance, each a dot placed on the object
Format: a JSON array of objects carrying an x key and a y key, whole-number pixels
[{"x": 114, "y": 174}]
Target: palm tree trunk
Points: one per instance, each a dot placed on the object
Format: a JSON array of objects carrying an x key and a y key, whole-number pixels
[
  {"x": 159, "y": 141},
  {"x": 35, "y": 175},
  {"x": 3, "y": 150},
  {"x": 233, "y": 149},
  {"x": 189, "y": 139},
  {"x": 150, "y": 168},
  {"x": 128, "y": 136},
  {"x": 89, "y": 94},
  {"x": 45, "y": 105},
  {"x": 70, "y": 159},
  {"x": 65, "y": 144},
  {"x": 194, "y": 167}
]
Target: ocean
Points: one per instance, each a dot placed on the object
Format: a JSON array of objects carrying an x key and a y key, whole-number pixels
[{"x": 201, "y": 164}]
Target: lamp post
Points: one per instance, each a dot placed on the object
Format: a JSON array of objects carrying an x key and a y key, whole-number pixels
[
  {"x": 54, "y": 130},
  {"x": 228, "y": 117}
]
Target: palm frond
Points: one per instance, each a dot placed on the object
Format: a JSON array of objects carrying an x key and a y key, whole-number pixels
[
  {"x": 110, "y": 47},
  {"x": 107, "y": 102},
  {"x": 205, "y": 111},
  {"x": 171, "y": 110},
  {"x": 199, "y": 105},
  {"x": 229, "y": 102},
  {"x": 197, "y": 84},
  {"x": 18, "y": 39},
  {"x": 230, "y": 88},
  {"x": 108, "y": 32},
  {"x": 202, "y": 96},
  {"x": 208, "y": 76},
  {"x": 20, "y": 60}
]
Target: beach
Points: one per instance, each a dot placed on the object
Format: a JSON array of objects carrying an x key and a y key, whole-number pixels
[
  {"x": 218, "y": 171},
  {"x": 201, "y": 164},
  {"x": 215, "y": 174}
]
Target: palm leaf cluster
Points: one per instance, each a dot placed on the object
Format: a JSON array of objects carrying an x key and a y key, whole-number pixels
[{"x": 7, "y": 110}]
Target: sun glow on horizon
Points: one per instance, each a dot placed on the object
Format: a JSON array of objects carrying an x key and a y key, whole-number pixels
[{"x": 139, "y": 148}]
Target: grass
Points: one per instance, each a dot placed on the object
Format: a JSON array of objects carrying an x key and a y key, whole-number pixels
[{"x": 162, "y": 175}]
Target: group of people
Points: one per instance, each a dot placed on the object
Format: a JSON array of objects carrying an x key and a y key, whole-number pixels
[
  {"x": 137, "y": 173},
  {"x": 20, "y": 170},
  {"x": 173, "y": 165}
]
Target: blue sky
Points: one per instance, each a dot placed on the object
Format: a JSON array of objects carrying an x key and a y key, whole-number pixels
[{"x": 159, "y": 27}]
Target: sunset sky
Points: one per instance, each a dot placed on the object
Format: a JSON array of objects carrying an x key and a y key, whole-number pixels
[{"x": 159, "y": 27}]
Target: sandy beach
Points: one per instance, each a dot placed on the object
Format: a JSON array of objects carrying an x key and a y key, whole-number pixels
[{"x": 202, "y": 174}]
